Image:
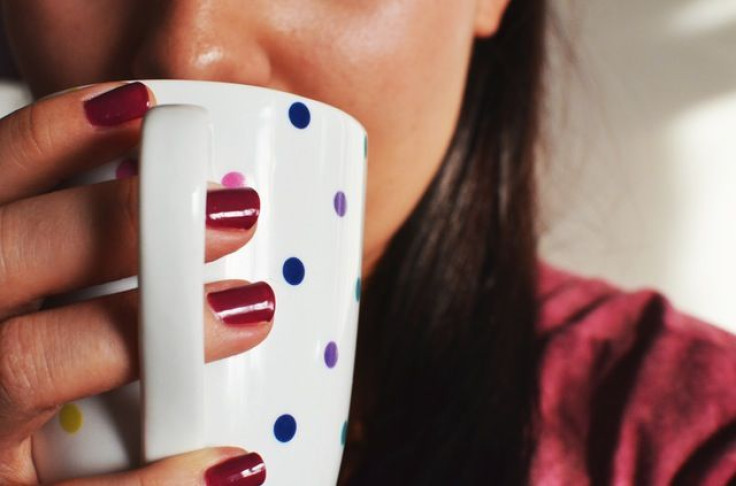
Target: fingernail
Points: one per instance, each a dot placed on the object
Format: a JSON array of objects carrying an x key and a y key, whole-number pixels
[
  {"x": 236, "y": 208},
  {"x": 249, "y": 304},
  {"x": 245, "y": 470},
  {"x": 122, "y": 104}
]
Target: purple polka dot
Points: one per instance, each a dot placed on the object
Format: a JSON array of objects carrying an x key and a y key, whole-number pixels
[
  {"x": 331, "y": 354},
  {"x": 127, "y": 168},
  {"x": 341, "y": 204},
  {"x": 233, "y": 179}
]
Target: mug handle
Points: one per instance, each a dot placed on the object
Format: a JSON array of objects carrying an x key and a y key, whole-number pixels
[{"x": 175, "y": 153}]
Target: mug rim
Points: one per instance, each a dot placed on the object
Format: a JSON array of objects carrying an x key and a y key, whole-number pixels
[{"x": 202, "y": 82}]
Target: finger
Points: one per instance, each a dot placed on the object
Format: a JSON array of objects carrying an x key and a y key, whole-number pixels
[
  {"x": 63, "y": 354},
  {"x": 206, "y": 467},
  {"x": 86, "y": 235},
  {"x": 55, "y": 137}
]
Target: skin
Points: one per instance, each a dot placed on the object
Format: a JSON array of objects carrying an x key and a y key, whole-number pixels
[{"x": 398, "y": 66}]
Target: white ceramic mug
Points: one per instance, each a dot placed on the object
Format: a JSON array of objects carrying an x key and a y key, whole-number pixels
[{"x": 288, "y": 398}]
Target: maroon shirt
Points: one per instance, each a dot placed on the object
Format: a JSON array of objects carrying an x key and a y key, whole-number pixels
[{"x": 632, "y": 391}]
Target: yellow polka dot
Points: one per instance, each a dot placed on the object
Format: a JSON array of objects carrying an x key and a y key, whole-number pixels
[{"x": 70, "y": 418}]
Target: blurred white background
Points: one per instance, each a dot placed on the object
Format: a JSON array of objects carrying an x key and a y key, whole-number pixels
[{"x": 639, "y": 185}]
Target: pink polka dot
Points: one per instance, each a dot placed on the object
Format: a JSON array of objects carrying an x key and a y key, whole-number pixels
[
  {"x": 233, "y": 179},
  {"x": 127, "y": 168}
]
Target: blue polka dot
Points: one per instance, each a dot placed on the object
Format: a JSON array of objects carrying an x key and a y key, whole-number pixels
[
  {"x": 344, "y": 433},
  {"x": 299, "y": 115},
  {"x": 357, "y": 289},
  {"x": 284, "y": 428},
  {"x": 331, "y": 354},
  {"x": 294, "y": 271}
]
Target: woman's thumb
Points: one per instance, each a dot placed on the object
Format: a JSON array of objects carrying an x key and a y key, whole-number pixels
[{"x": 217, "y": 466}]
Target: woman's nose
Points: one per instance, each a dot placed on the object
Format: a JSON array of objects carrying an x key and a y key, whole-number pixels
[{"x": 202, "y": 39}]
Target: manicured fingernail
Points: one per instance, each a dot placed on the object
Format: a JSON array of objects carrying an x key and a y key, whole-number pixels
[
  {"x": 245, "y": 470},
  {"x": 236, "y": 208},
  {"x": 122, "y": 104},
  {"x": 246, "y": 305}
]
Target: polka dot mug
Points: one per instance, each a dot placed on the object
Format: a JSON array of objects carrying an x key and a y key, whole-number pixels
[{"x": 288, "y": 398}]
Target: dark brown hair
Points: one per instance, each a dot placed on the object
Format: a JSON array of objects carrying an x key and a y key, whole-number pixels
[{"x": 446, "y": 367}]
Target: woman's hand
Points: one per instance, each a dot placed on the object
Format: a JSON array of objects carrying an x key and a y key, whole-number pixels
[
  {"x": 223, "y": 466},
  {"x": 56, "y": 242}
]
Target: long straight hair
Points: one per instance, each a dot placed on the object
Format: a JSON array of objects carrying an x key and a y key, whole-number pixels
[{"x": 446, "y": 367}]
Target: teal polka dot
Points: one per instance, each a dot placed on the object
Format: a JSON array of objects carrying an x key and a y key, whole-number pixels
[
  {"x": 357, "y": 289},
  {"x": 344, "y": 433}
]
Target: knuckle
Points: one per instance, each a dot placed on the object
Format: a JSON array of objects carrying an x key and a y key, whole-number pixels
[
  {"x": 24, "y": 369},
  {"x": 147, "y": 480},
  {"x": 129, "y": 209},
  {"x": 31, "y": 137},
  {"x": 5, "y": 245},
  {"x": 14, "y": 247}
]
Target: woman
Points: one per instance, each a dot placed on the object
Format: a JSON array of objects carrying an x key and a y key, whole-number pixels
[{"x": 476, "y": 364}]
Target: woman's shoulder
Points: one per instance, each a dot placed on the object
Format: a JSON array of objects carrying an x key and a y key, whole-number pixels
[
  {"x": 632, "y": 391},
  {"x": 595, "y": 309}
]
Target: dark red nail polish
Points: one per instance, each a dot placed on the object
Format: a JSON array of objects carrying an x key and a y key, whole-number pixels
[
  {"x": 245, "y": 470},
  {"x": 249, "y": 304},
  {"x": 122, "y": 104},
  {"x": 236, "y": 208}
]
